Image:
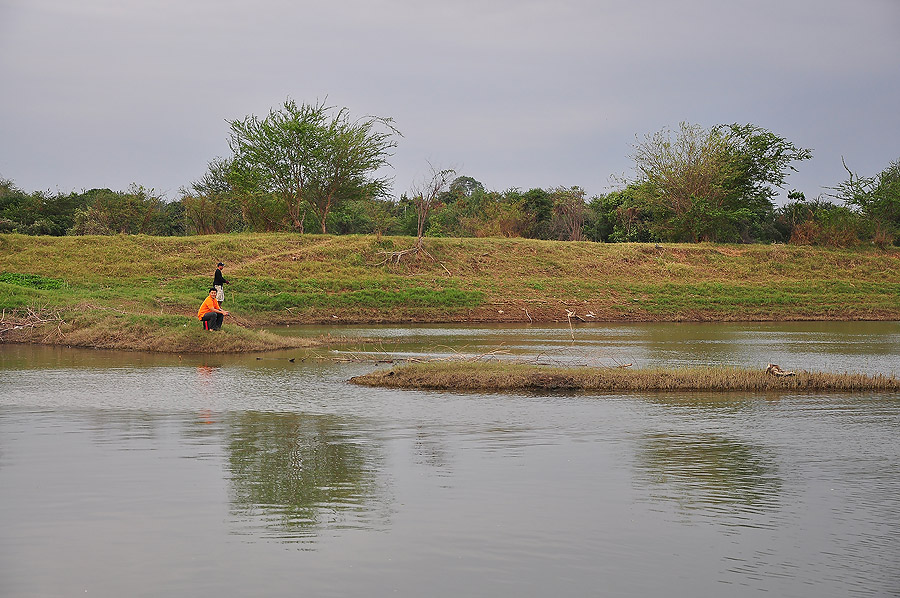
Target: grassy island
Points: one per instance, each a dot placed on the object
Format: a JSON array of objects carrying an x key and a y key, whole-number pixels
[
  {"x": 142, "y": 292},
  {"x": 505, "y": 376}
]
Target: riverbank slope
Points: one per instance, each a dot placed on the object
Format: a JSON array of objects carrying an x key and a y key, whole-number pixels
[{"x": 60, "y": 289}]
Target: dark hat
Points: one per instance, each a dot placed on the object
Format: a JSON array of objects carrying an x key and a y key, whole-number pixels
[{"x": 219, "y": 264}]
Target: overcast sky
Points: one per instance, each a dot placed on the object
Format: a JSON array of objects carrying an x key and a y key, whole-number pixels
[{"x": 515, "y": 93}]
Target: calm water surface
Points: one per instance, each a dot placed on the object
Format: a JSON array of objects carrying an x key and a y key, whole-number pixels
[{"x": 125, "y": 474}]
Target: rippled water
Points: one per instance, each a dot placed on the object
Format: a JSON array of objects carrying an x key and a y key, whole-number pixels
[{"x": 144, "y": 475}]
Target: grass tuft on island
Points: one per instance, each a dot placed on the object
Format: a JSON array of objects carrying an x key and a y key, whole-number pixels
[{"x": 512, "y": 376}]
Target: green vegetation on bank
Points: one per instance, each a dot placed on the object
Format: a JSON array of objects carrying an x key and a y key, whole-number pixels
[
  {"x": 106, "y": 329},
  {"x": 506, "y": 376},
  {"x": 288, "y": 279}
]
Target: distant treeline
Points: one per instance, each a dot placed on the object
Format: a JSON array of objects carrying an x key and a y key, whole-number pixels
[
  {"x": 95, "y": 212},
  {"x": 309, "y": 168},
  {"x": 466, "y": 209}
]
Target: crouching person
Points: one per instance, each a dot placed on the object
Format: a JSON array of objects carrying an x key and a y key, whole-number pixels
[{"x": 210, "y": 313}]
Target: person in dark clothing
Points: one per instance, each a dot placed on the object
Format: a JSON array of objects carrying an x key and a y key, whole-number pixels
[{"x": 219, "y": 283}]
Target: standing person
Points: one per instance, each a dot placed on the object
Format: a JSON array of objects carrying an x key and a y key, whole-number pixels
[
  {"x": 210, "y": 313},
  {"x": 219, "y": 283}
]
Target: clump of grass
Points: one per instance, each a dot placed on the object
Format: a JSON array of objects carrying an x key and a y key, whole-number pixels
[
  {"x": 15, "y": 297},
  {"x": 505, "y": 376},
  {"x": 32, "y": 281},
  {"x": 157, "y": 333}
]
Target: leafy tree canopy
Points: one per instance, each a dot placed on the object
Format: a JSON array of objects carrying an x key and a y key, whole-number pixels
[
  {"x": 877, "y": 197},
  {"x": 310, "y": 155},
  {"x": 711, "y": 185}
]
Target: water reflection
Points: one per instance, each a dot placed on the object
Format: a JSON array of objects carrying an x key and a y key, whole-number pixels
[
  {"x": 705, "y": 471},
  {"x": 718, "y": 402},
  {"x": 428, "y": 450},
  {"x": 869, "y": 347},
  {"x": 172, "y": 473},
  {"x": 294, "y": 473}
]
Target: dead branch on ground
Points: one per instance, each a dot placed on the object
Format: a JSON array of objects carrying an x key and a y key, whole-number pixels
[{"x": 32, "y": 317}]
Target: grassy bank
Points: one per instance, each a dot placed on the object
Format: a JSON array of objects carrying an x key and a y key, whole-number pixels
[
  {"x": 496, "y": 376},
  {"x": 103, "y": 329},
  {"x": 285, "y": 278}
]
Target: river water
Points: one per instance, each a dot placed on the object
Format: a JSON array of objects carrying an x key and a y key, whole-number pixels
[{"x": 128, "y": 474}]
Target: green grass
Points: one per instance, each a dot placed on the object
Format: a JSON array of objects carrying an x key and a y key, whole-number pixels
[
  {"x": 271, "y": 294},
  {"x": 105, "y": 329},
  {"x": 288, "y": 278},
  {"x": 31, "y": 281}
]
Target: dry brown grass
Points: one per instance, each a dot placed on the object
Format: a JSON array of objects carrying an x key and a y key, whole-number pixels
[
  {"x": 163, "y": 334},
  {"x": 499, "y": 376},
  {"x": 287, "y": 278}
]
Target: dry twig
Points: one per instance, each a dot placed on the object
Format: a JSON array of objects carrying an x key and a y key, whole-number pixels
[{"x": 32, "y": 318}]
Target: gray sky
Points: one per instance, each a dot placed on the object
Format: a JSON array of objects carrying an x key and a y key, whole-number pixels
[{"x": 105, "y": 93}]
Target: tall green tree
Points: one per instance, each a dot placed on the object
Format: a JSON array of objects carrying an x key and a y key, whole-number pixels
[
  {"x": 619, "y": 217},
  {"x": 310, "y": 156},
  {"x": 711, "y": 185},
  {"x": 759, "y": 161},
  {"x": 539, "y": 204},
  {"x": 877, "y": 197},
  {"x": 465, "y": 186},
  {"x": 569, "y": 210}
]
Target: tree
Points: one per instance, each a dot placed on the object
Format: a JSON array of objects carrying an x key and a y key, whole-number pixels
[
  {"x": 818, "y": 222},
  {"x": 760, "y": 163},
  {"x": 465, "y": 186},
  {"x": 711, "y": 185},
  {"x": 568, "y": 213},
  {"x": 215, "y": 181},
  {"x": 135, "y": 211},
  {"x": 37, "y": 213},
  {"x": 424, "y": 195},
  {"x": 759, "y": 160},
  {"x": 380, "y": 216},
  {"x": 210, "y": 205},
  {"x": 352, "y": 151},
  {"x": 618, "y": 217},
  {"x": 309, "y": 155},
  {"x": 878, "y": 197},
  {"x": 539, "y": 204}
]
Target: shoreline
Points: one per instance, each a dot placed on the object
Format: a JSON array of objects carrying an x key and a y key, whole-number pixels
[{"x": 182, "y": 334}]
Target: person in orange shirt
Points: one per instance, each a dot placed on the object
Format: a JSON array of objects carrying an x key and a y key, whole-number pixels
[{"x": 210, "y": 314}]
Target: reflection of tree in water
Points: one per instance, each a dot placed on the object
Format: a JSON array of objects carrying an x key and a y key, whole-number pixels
[
  {"x": 706, "y": 470},
  {"x": 429, "y": 450},
  {"x": 300, "y": 472}
]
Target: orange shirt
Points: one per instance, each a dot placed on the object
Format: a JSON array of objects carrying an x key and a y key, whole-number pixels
[{"x": 209, "y": 305}]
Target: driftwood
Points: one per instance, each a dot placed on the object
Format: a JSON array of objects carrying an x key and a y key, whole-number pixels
[
  {"x": 775, "y": 370},
  {"x": 32, "y": 318},
  {"x": 394, "y": 257}
]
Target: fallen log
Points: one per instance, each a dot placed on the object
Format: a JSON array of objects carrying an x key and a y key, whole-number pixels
[{"x": 774, "y": 370}]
